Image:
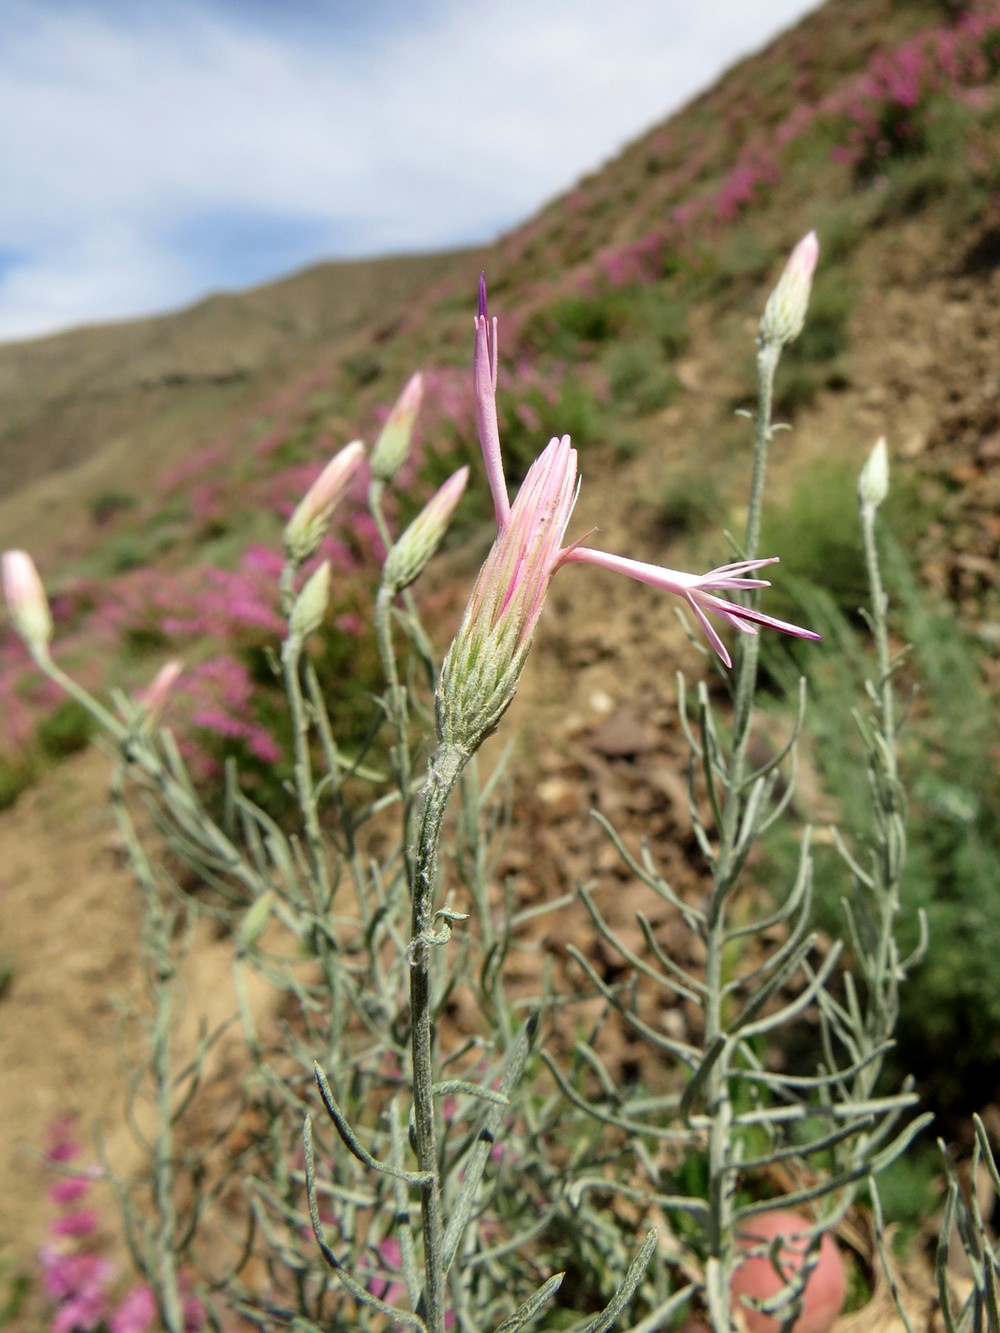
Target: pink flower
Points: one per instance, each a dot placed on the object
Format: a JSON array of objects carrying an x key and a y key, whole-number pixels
[
  {"x": 480, "y": 674},
  {"x": 80, "y": 1223},
  {"x": 136, "y": 1314},
  {"x": 69, "y": 1189},
  {"x": 699, "y": 590},
  {"x": 483, "y": 666}
]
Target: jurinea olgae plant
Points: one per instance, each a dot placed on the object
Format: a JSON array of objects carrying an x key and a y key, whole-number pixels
[{"x": 447, "y": 1173}]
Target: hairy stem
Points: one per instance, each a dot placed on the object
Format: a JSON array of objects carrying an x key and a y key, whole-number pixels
[{"x": 444, "y": 771}]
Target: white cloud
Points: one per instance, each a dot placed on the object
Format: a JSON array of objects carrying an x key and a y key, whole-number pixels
[{"x": 125, "y": 129}]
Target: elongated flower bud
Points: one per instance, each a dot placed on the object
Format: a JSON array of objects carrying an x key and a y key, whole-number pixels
[
  {"x": 408, "y": 558},
  {"x": 307, "y": 525},
  {"x": 154, "y": 697},
  {"x": 310, "y": 605},
  {"x": 481, "y": 672},
  {"x": 256, "y": 918},
  {"x": 785, "y": 312},
  {"x": 26, "y": 601},
  {"x": 393, "y": 443},
  {"x": 873, "y": 483}
]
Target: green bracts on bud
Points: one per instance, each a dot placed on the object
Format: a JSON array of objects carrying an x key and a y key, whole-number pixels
[
  {"x": 481, "y": 671},
  {"x": 393, "y": 443},
  {"x": 785, "y": 312},
  {"x": 311, "y": 603},
  {"x": 411, "y": 553},
  {"x": 873, "y": 483}
]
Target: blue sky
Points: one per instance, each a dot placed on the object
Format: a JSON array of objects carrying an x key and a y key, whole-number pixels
[{"x": 156, "y": 150}]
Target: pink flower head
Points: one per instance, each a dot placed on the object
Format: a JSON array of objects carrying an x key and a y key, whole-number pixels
[
  {"x": 70, "y": 1189},
  {"x": 80, "y": 1222},
  {"x": 699, "y": 591},
  {"x": 137, "y": 1312},
  {"x": 483, "y": 666}
]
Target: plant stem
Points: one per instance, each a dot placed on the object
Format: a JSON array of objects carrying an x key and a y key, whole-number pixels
[
  {"x": 443, "y": 773},
  {"x": 721, "y": 1177},
  {"x": 746, "y": 683},
  {"x": 305, "y": 788}
]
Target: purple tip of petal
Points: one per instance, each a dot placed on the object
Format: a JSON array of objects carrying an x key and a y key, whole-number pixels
[{"x": 482, "y": 295}]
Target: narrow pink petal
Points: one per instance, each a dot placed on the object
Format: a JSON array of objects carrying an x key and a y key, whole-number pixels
[
  {"x": 740, "y": 567},
  {"x": 736, "y": 613},
  {"x": 671, "y": 580},
  {"x": 484, "y": 385},
  {"x": 710, "y": 632}
]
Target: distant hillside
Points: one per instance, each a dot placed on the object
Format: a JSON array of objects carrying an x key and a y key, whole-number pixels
[{"x": 65, "y": 398}]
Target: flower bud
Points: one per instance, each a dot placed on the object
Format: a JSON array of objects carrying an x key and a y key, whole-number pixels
[
  {"x": 307, "y": 525},
  {"x": 154, "y": 697},
  {"x": 393, "y": 443},
  {"x": 408, "y": 557},
  {"x": 480, "y": 675},
  {"x": 873, "y": 483},
  {"x": 252, "y": 925},
  {"x": 785, "y": 312},
  {"x": 310, "y": 605},
  {"x": 26, "y": 601}
]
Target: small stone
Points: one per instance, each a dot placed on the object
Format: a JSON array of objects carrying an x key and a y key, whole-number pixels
[{"x": 621, "y": 737}]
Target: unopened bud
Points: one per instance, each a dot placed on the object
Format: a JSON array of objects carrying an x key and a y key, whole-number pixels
[
  {"x": 154, "y": 697},
  {"x": 26, "y": 601},
  {"x": 408, "y": 558},
  {"x": 393, "y": 443},
  {"x": 310, "y": 605},
  {"x": 256, "y": 918},
  {"x": 785, "y": 312},
  {"x": 307, "y": 525},
  {"x": 873, "y": 483}
]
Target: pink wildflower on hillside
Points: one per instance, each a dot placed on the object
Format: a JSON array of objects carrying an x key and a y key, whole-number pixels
[{"x": 484, "y": 664}]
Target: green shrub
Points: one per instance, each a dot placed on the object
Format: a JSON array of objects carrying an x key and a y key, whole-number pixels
[
  {"x": 950, "y": 1016},
  {"x": 529, "y": 418},
  {"x": 67, "y": 729},
  {"x": 15, "y": 777},
  {"x": 639, "y": 378},
  {"x": 362, "y": 368},
  {"x": 109, "y": 504}
]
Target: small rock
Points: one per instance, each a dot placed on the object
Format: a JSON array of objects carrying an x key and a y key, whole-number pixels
[{"x": 621, "y": 737}]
